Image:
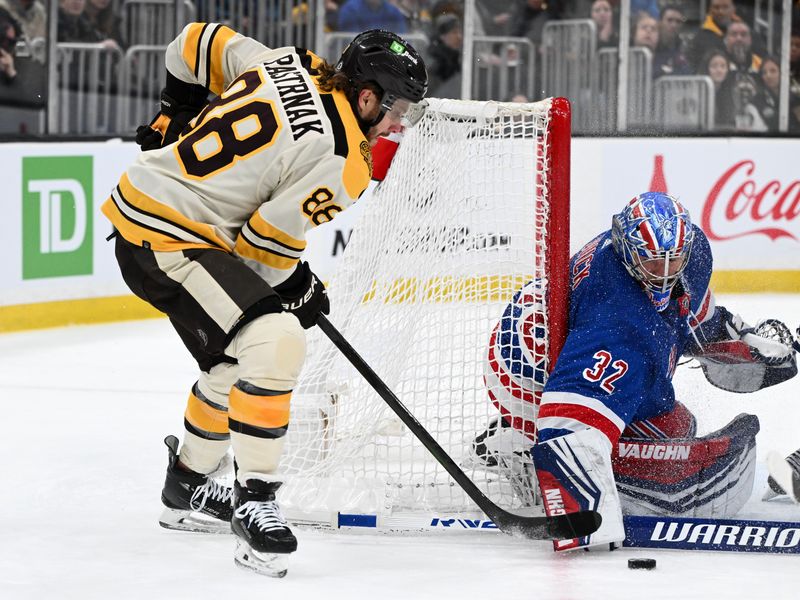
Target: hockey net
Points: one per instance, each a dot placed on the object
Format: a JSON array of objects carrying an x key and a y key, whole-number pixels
[{"x": 474, "y": 207}]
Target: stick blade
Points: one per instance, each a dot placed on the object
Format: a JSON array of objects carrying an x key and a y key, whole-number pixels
[{"x": 561, "y": 527}]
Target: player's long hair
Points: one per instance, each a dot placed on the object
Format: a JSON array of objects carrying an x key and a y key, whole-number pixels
[{"x": 330, "y": 79}]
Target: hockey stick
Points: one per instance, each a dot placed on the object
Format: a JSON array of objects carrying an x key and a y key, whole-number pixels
[{"x": 561, "y": 527}]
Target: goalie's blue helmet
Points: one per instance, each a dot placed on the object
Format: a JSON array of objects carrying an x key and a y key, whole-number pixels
[{"x": 653, "y": 237}]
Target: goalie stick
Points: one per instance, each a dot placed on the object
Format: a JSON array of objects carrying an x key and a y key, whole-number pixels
[{"x": 569, "y": 526}]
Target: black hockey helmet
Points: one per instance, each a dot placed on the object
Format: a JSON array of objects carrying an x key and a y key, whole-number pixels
[{"x": 386, "y": 59}]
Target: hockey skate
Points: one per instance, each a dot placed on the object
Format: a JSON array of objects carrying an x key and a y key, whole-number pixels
[
  {"x": 193, "y": 501},
  {"x": 784, "y": 476},
  {"x": 263, "y": 539}
]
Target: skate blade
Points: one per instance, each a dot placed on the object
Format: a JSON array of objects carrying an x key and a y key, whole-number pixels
[
  {"x": 783, "y": 474},
  {"x": 186, "y": 520},
  {"x": 271, "y": 565}
]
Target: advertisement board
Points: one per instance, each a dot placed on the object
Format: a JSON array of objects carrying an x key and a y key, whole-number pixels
[{"x": 744, "y": 193}]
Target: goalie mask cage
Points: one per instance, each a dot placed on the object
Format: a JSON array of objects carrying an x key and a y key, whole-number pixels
[{"x": 475, "y": 206}]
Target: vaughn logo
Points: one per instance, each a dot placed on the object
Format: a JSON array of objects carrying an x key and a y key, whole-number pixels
[
  {"x": 654, "y": 451},
  {"x": 56, "y": 216}
]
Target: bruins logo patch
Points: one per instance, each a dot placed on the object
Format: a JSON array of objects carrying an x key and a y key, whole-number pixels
[{"x": 366, "y": 152}]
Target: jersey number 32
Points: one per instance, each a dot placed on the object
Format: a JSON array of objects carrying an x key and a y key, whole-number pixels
[{"x": 598, "y": 371}]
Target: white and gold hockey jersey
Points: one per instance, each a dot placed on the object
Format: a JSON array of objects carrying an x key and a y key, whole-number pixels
[{"x": 271, "y": 157}]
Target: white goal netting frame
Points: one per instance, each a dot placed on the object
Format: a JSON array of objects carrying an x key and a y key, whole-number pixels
[{"x": 475, "y": 206}]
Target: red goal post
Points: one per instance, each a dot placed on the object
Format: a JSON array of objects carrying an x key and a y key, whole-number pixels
[{"x": 474, "y": 207}]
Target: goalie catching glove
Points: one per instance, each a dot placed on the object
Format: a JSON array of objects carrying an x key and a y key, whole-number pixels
[
  {"x": 753, "y": 358},
  {"x": 180, "y": 103},
  {"x": 304, "y": 295}
]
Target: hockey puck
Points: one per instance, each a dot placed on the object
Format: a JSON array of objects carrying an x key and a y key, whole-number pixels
[{"x": 642, "y": 563}]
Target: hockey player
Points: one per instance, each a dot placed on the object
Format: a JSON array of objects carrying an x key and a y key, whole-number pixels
[
  {"x": 211, "y": 225},
  {"x": 639, "y": 299}
]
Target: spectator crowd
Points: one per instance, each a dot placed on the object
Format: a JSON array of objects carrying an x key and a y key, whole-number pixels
[{"x": 721, "y": 44}]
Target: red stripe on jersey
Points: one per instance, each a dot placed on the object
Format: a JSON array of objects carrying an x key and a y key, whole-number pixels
[{"x": 583, "y": 415}]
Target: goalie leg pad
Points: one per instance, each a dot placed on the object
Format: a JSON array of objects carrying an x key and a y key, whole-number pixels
[
  {"x": 710, "y": 476},
  {"x": 784, "y": 476},
  {"x": 677, "y": 423},
  {"x": 574, "y": 474}
]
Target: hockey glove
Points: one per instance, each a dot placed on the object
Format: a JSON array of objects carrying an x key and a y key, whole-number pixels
[
  {"x": 770, "y": 341},
  {"x": 304, "y": 295},
  {"x": 180, "y": 103}
]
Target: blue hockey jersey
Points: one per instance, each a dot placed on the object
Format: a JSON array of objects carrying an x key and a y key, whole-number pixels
[{"x": 620, "y": 353}]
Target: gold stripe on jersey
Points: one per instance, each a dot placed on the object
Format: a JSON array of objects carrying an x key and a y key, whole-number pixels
[
  {"x": 140, "y": 218},
  {"x": 261, "y": 241},
  {"x": 358, "y": 158},
  {"x": 216, "y": 80},
  {"x": 191, "y": 46}
]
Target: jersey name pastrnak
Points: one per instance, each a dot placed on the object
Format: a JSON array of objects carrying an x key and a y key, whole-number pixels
[{"x": 295, "y": 95}]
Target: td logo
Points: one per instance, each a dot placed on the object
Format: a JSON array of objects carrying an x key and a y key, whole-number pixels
[{"x": 56, "y": 216}]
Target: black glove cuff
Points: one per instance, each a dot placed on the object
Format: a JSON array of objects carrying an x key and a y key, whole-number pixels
[{"x": 297, "y": 283}]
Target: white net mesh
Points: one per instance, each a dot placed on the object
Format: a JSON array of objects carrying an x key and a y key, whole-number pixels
[{"x": 458, "y": 226}]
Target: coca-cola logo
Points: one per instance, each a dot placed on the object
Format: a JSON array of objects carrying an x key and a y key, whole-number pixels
[{"x": 737, "y": 197}]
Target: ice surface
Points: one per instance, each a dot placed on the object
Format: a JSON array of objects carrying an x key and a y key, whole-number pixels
[{"x": 85, "y": 412}]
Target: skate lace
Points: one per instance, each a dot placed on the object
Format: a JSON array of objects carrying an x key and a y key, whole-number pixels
[
  {"x": 210, "y": 491},
  {"x": 266, "y": 515}
]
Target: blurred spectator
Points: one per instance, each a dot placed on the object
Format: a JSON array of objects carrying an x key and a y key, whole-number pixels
[
  {"x": 528, "y": 18},
  {"x": 720, "y": 14},
  {"x": 73, "y": 26},
  {"x": 361, "y": 15},
  {"x": 743, "y": 84},
  {"x": 448, "y": 7},
  {"x": 669, "y": 58},
  {"x": 645, "y": 32},
  {"x": 768, "y": 102},
  {"x": 716, "y": 65},
  {"x": 603, "y": 17},
  {"x": 494, "y": 16},
  {"x": 647, "y": 6},
  {"x": 417, "y": 15},
  {"x": 332, "y": 14},
  {"x": 103, "y": 17},
  {"x": 739, "y": 46},
  {"x": 794, "y": 63},
  {"x": 10, "y": 31},
  {"x": 444, "y": 52},
  {"x": 31, "y": 16}
]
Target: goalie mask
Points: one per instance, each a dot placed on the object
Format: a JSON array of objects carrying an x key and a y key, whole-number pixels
[
  {"x": 384, "y": 58},
  {"x": 653, "y": 238}
]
